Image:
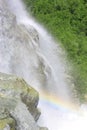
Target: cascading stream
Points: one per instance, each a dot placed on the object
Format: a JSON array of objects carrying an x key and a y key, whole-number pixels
[{"x": 29, "y": 51}]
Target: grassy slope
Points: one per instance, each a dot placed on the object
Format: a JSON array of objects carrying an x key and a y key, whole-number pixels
[{"x": 67, "y": 21}]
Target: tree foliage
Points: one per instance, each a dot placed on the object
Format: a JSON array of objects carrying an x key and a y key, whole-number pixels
[{"x": 67, "y": 21}]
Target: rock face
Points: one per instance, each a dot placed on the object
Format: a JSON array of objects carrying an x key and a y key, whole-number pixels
[
  {"x": 18, "y": 55},
  {"x": 18, "y": 104}
]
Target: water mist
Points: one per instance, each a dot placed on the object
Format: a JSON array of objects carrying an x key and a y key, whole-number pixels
[{"x": 37, "y": 58}]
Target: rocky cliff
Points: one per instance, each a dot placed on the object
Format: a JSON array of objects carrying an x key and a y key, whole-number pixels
[{"x": 18, "y": 104}]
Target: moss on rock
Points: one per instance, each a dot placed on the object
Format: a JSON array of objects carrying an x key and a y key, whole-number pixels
[
  {"x": 7, "y": 123},
  {"x": 13, "y": 92},
  {"x": 12, "y": 86}
]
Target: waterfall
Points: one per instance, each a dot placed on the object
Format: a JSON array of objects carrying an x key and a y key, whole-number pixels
[
  {"x": 48, "y": 52},
  {"x": 29, "y": 51}
]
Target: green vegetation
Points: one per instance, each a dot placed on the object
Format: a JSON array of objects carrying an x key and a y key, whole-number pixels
[
  {"x": 67, "y": 21},
  {"x": 7, "y": 121}
]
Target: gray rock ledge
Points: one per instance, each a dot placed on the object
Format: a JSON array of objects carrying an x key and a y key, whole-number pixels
[{"x": 18, "y": 104}]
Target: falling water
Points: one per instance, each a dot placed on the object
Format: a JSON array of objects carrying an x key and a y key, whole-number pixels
[
  {"x": 50, "y": 61},
  {"x": 30, "y": 51}
]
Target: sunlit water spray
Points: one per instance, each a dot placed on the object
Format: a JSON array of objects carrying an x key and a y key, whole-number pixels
[{"x": 41, "y": 63}]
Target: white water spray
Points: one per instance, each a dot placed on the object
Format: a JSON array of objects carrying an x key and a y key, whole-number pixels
[
  {"x": 40, "y": 63},
  {"x": 49, "y": 53}
]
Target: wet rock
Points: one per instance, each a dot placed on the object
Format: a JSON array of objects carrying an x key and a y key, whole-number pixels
[
  {"x": 31, "y": 100},
  {"x": 18, "y": 104},
  {"x": 7, "y": 124},
  {"x": 12, "y": 86}
]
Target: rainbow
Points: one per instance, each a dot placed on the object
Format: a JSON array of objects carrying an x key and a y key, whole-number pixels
[{"x": 58, "y": 103}]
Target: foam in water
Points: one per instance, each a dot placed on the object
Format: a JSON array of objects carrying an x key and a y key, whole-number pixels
[{"x": 50, "y": 79}]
